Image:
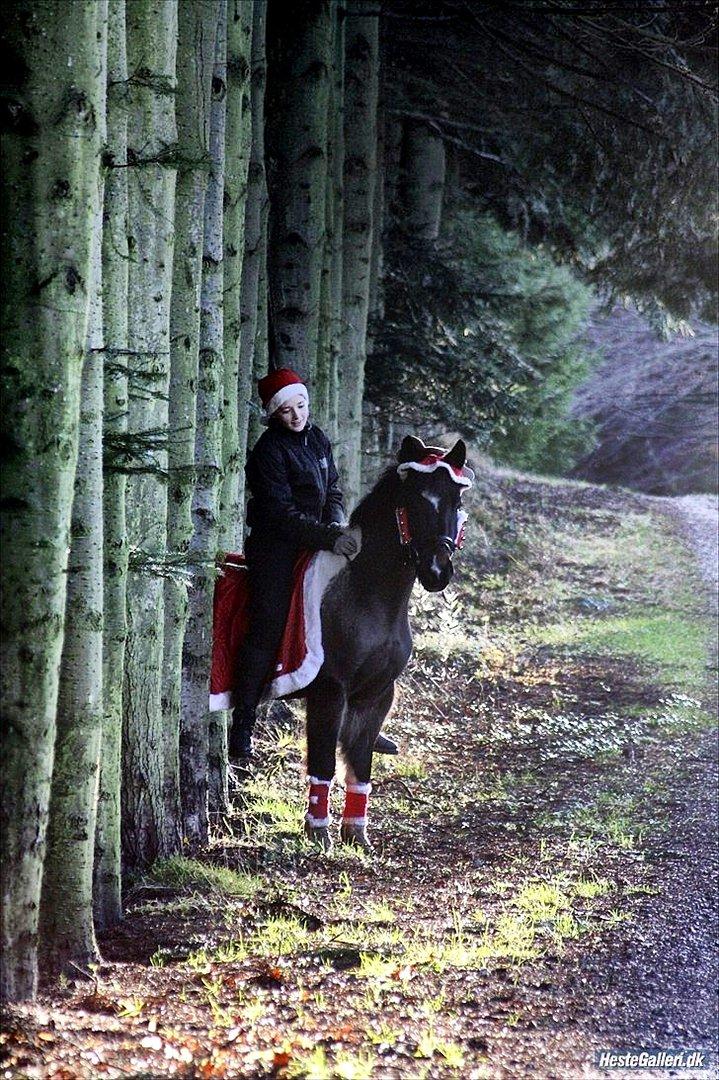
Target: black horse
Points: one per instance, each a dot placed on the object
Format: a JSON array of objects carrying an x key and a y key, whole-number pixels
[{"x": 411, "y": 525}]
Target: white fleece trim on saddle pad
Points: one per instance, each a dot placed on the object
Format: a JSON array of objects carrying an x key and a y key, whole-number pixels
[
  {"x": 221, "y": 701},
  {"x": 323, "y": 567}
]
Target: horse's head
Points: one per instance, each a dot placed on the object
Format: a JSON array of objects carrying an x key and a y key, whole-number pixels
[{"x": 430, "y": 517}]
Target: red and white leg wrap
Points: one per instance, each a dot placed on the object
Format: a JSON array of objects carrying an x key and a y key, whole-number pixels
[
  {"x": 356, "y": 799},
  {"x": 318, "y": 809}
]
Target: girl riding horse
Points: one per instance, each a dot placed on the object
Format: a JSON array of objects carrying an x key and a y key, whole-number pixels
[{"x": 296, "y": 504}]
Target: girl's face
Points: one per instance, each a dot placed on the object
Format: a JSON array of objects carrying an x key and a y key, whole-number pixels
[{"x": 294, "y": 413}]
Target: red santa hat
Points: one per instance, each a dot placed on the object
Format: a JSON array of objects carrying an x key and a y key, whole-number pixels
[{"x": 278, "y": 387}]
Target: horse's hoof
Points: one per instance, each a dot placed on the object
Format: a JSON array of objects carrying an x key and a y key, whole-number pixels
[
  {"x": 355, "y": 835},
  {"x": 319, "y": 835}
]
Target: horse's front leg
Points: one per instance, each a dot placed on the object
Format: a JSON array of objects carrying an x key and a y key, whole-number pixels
[
  {"x": 326, "y": 704},
  {"x": 364, "y": 718}
]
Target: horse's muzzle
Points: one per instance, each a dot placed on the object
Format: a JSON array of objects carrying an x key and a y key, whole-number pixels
[{"x": 434, "y": 572}]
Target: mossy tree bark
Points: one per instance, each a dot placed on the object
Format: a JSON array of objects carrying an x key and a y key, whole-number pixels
[
  {"x": 197, "y": 33},
  {"x": 107, "y": 888},
  {"x": 51, "y": 157},
  {"x": 67, "y": 932},
  {"x": 300, "y": 65},
  {"x": 360, "y": 128},
  {"x": 194, "y": 732},
  {"x": 151, "y": 49},
  {"x": 252, "y": 359},
  {"x": 238, "y": 140}
]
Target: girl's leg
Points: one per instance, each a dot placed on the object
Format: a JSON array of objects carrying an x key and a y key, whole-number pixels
[{"x": 270, "y": 567}]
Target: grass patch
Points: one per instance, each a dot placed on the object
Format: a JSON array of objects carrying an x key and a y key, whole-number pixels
[
  {"x": 667, "y": 640},
  {"x": 183, "y": 873}
]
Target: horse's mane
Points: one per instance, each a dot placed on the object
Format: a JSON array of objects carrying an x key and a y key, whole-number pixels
[{"x": 381, "y": 497}]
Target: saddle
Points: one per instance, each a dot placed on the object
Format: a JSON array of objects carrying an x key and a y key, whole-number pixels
[{"x": 300, "y": 655}]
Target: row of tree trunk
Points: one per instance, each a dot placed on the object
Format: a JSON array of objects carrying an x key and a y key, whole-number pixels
[{"x": 193, "y": 193}]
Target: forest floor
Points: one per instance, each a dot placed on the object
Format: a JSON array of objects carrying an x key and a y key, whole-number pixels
[{"x": 543, "y": 886}]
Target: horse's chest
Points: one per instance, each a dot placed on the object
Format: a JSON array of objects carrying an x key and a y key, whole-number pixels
[{"x": 355, "y": 634}]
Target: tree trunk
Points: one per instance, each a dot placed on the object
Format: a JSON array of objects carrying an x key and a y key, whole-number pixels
[
  {"x": 194, "y": 733},
  {"x": 393, "y": 131},
  {"x": 238, "y": 143},
  {"x": 251, "y": 360},
  {"x": 300, "y": 64},
  {"x": 337, "y": 225},
  {"x": 376, "y": 297},
  {"x": 360, "y": 127},
  {"x": 67, "y": 932},
  {"x": 197, "y": 33},
  {"x": 423, "y": 180},
  {"x": 107, "y": 891},
  {"x": 238, "y": 138},
  {"x": 323, "y": 387},
  {"x": 51, "y": 158},
  {"x": 151, "y": 49}
]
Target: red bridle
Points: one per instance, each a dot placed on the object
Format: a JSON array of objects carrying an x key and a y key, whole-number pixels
[{"x": 405, "y": 533}]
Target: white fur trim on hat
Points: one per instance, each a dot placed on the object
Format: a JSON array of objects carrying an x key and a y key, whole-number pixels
[
  {"x": 465, "y": 480},
  {"x": 284, "y": 394}
]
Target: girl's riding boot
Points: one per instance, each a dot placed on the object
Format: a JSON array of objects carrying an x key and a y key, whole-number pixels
[{"x": 240, "y": 738}]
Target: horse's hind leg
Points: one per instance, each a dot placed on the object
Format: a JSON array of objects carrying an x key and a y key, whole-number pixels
[
  {"x": 326, "y": 703},
  {"x": 364, "y": 719}
]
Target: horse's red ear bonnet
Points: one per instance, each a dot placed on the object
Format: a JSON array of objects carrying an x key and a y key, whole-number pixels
[{"x": 413, "y": 454}]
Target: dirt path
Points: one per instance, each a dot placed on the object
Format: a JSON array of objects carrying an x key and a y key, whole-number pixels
[
  {"x": 543, "y": 886},
  {"x": 699, "y": 517}
]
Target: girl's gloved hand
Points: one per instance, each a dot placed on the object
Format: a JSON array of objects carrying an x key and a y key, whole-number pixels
[{"x": 345, "y": 544}]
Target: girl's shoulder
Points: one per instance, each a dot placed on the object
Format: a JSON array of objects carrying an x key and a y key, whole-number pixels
[{"x": 318, "y": 434}]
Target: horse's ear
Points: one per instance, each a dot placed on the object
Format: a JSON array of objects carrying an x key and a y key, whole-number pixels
[
  {"x": 412, "y": 449},
  {"x": 457, "y": 455}
]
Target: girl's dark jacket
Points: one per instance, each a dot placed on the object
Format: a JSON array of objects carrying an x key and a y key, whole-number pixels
[{"x": 294, "y": 488}]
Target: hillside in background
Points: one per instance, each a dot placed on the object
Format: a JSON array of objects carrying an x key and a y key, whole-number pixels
[{"x": 654, "y": 403}]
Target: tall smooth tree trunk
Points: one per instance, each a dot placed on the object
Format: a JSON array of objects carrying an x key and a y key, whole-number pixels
[
  {"x": 337, "y": 224},
  {"x": 393, "y": 133},
  {"x": 360, "y": 166},
  {"x": 300, "y": 66},
  {"x": 238, "y": 140},
  {"x": 194, "y": 732},
  {"x": 261, "y": 356},
  {"x": 238, "y": 143},
  {"x": 376, "y": 298},
  {"x": 51, "y": 158},
  {"x": 151, "y": 53},
  {"x": 323, "y": 387},
  {"x": 197, "y": 33},
  {"x": 107, "y": 888},
  {"x": 254, "y": 263},
  {"x": 67, "y": 931},
  {"x": 423, "y": 174}
]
